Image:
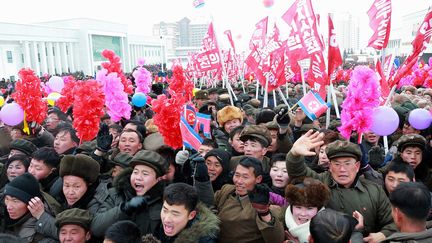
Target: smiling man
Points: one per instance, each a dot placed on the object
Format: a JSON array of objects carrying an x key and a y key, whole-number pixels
[
  {"x": 130, "y": 142},
  {"x": 349, "y": 191},
  {"x": 184, "y": 219}
]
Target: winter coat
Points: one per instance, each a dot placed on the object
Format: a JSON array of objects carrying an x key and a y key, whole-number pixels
[
  {"x": 148, "y": 220},
  {"x": 241, "y": 223},
  {"x": 204, "y": 228},
  {"x": 27, "y": 227},
  {"x": 46, "y": 223},
  {"x": 419, "y": 237},
  {"x": 364, "y": 196}
]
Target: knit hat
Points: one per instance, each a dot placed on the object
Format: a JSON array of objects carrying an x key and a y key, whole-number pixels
[
  {"x": 151, "y": 159},
  {"x": 221, "y": 155},
  {"x": 23, "y": 145},
  {"x": 24, "y": 187},
  {"x": 259, "y": 132},
  {"x": 121, "y": 159},
  {"x": 80, "y": 165},
  {"x": 308, "y": 192},
  {"x": 411, "y": 140},
  {"x": 74, "y": 216},
  {"x": 340, "y": 148},
  {"x": 229, "y": 113}
]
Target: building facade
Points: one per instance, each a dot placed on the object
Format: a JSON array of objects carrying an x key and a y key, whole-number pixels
[
  {"x": 71, "y": 45},
  {"x": 347, "y": 28}
]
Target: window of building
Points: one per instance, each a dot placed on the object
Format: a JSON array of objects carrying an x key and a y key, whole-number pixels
[
  {"x": 22, "y": 58},
  {"x": 9, "y": 56},
  {"x": 39, "y": 60}
]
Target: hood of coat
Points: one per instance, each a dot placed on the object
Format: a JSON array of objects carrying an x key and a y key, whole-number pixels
[{"x": 204, "y": 225}]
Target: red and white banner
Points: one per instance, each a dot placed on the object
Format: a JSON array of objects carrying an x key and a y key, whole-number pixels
[
  {"x": 317, "y": 76},
  {"x": 380, "y": 21},
  {"x": 208, "y": 59},
  {"x": 303, "y": 39},
  {"x": 419, "y": 45},
  {"x": 334, "y": 55},
  {"x": 385, "y": 90},
  {"x": 259, "y": 35}
]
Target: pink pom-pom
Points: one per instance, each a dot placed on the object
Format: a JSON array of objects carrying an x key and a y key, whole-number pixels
[
  {"x": 141, "y": 61},
  {"x": 362, "y": 97}
]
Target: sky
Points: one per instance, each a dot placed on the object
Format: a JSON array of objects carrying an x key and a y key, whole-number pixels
[{"x": 239, "y": 16}]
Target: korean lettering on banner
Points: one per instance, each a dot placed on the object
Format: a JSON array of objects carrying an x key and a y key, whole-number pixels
[
  {"x": 317, "y": 77},
  {"x": 303, "y": 39},
  {"x": 380, "y": 21},
  {"x": 208, "y": 58}
]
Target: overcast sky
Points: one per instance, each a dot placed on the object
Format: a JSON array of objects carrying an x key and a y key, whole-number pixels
[{"x": 238, "y": 15}]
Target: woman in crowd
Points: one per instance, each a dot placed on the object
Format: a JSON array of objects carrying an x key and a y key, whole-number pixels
[
  {"x": 15, "y": 166},
  {"x": 305, "y": 197}
]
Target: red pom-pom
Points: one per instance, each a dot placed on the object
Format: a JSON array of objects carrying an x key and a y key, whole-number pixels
[
  {"x": 88, "y": 108},
  {"x": 67, "y": 98},
  {"x": 29, "y": 96}
]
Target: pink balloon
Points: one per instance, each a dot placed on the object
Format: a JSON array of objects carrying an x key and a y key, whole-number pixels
[
  {"x": 56, "y": 84},
  {"x": 385, "y": 121},
  {"x": 420, "y": 118},
  {"x": 268, "y": 3},
  {"x": 12, "y": 114}
]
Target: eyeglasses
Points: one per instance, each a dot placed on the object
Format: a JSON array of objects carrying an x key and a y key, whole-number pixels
[{"x": 344, "y": 164}]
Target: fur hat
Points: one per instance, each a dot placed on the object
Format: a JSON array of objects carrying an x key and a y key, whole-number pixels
[
  {"x": 308, "y": 192},
  {"x": 229, "y": 113},
  {"x": 411, "y": 140},
  {"x": 80, "y": 165},
  {"x": 264, "y": 116},
  {"x": 153, "y": 142},
  {"x": 150, "y": 126}
]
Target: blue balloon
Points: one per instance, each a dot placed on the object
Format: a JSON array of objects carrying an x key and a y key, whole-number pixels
[{"x": 139, "y": 99}]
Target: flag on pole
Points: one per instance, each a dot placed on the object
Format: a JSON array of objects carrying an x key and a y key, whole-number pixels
[
  {"x": 313, "y": 105},
  {"x": 259, "y": 35},
  {"x": 380, "y": 21},
  {"x": 191, "y": 139},
  {"x": 230, "y": 39},
  {"x": 203, "y": 124},
  {"x": 190, "y": 115},
  {"x": 208, "y": 59},
  {"x": 334, "y": 55}
]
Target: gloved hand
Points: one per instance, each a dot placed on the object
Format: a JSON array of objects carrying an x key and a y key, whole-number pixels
[
  {"x": 181, "y": 157},
  {"x": 376, "y": 156},
  {"x": 259, "y": 198},
  {"x": 104, "y": 139},
  {"x": 201, "y": 171},
  {"x": 135, "y": 203},
  {"x": 282, "y": 117}
]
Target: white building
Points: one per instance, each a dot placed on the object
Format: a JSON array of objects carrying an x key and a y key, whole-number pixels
[
  {"x": 405, "y": 32},
  {"x": 347, "y": 28},
  {"x": 71, "y": 45}
]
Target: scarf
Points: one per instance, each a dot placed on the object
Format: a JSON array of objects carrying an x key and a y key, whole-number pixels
[{"x": 301, "y": 232}]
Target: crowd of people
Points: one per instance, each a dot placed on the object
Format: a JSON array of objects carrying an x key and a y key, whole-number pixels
[{"x": 267, "y": 174}]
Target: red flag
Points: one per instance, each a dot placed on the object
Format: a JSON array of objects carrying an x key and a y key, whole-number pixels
[
  {"x": 419, "y": 45},
  {"x": 304, "y": 39},
  {"x": 208, "y": 59},
  {"x": 317, "y": 77},
  {"x": 334, "y": 55},
  {"x": 259, "y": 35},
  {"x": 385, "y": 90},
  {"x": 230, "y": 39},
  {"x": 424, "y": 33},
  {"x": 380, "y": 21}
]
